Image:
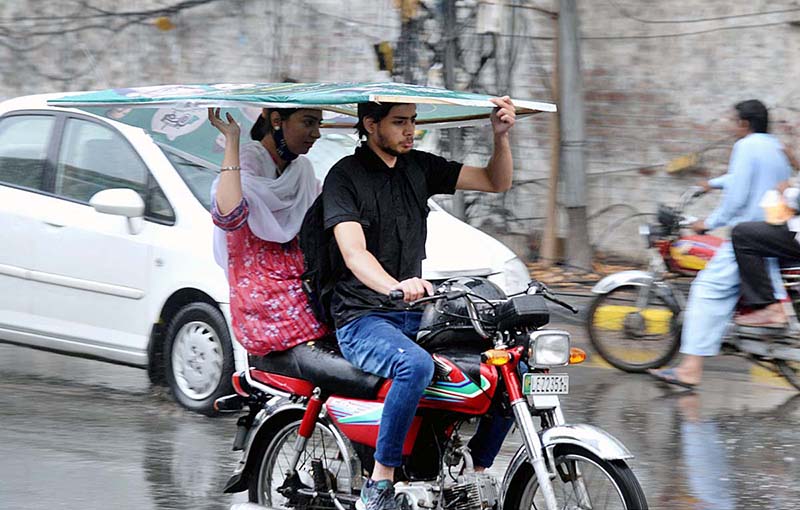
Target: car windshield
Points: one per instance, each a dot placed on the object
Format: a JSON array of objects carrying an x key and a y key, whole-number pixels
[
  {"x": 199, "y": 174},
  {"x": 198, "y": 177},
  {"x": 328, "y": 150}
]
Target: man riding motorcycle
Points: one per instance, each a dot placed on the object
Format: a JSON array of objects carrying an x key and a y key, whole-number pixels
[
  {"x": 758, "y": 164},
  {"x": 374, "y": 201}
]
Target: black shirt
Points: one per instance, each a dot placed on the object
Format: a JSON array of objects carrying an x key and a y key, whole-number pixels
[{"x": 391, "y": 206}]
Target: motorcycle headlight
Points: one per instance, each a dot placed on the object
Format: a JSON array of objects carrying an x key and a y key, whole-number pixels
[
  {"x": 514, "y": 278},
  {"x": 549, "y": 348}
]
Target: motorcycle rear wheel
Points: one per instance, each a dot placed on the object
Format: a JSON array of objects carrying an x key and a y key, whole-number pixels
[
  {"x": 628, "y": 339},
  {"x": 790, "y": 370},
  {"x": 610, "y": 485},
  {"x": 323, "y": 445}
]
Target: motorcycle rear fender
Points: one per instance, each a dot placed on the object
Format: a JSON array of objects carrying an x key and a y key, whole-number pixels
[
  {"x": 266, "y": 424},
  {"x": 593, "y": 439},
  {"x": 616, "y": 280}
]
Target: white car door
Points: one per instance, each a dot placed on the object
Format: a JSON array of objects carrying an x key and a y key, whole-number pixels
[
  {"x": 24, "y": 145},
  {"x": 93, "y": 269}
]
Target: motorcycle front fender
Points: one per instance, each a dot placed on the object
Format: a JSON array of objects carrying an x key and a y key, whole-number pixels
[
  {"x": 593, "y": 439},
  {"x": 616, "y": 280}
]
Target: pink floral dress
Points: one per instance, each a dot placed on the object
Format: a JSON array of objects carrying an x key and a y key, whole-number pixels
[{"x": 270, "y": 311}]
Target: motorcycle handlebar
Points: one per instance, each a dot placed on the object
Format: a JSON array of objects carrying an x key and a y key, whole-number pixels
[
  {"x": 689, "y": 195},
  {"x": 398, "y": 294},
  {"x": 541, "y": 288},
  {"x": 546, "y": 293},
  {"x": 562, "y": 303},
  {"x": 449, "y": 296}
]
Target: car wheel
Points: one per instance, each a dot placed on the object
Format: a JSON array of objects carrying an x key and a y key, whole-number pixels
[{"x": 198, "y": 357}]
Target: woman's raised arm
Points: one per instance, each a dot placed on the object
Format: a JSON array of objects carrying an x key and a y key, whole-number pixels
[{"x": 229, "y": 188}]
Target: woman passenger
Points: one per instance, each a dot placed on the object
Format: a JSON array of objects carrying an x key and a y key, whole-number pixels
[{"x": 259, "y": 201}]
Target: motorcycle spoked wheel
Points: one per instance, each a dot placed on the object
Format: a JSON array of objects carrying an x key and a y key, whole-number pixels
[
  {"x": 790, "y": 370},
  {"x": 323, "y": 445},
  {"x": 632, "y": 340},
  {"x": 610, "y": 485}
]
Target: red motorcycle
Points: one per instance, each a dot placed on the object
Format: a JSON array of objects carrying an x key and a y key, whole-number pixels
[
  {"x": 310, "y": 433},
  {"x": 635, "y": 319}
]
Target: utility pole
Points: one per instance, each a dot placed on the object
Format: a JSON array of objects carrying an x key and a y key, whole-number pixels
[
  {"x": 408, "y": 42},
  {"x": 549, "y": 248},
  {"x": 450, "y": 62},
  {"x": 573, "y": 136}
]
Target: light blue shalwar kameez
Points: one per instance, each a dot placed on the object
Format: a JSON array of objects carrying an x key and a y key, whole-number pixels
[{"x": 757, "y": 165}]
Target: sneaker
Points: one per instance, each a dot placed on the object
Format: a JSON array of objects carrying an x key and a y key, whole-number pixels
[{"x": 377, "y": 496}]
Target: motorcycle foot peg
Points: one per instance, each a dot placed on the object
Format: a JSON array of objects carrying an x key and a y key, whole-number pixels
[{"x": 229, "y": 404}]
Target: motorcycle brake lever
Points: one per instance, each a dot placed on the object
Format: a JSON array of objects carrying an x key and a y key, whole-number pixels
[{"x": 550, "y": 296}]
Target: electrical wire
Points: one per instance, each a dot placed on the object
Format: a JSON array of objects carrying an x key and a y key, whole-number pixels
[
  {"x": 627, "y": 14},
  {"x": 680, "y": 34}
]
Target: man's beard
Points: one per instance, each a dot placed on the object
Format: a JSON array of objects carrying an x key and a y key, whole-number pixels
[{"x": 380, "y": 141}]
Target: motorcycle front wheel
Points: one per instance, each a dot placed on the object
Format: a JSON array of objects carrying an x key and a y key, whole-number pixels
[
  {"x": 633, "y": 339},
  {"x": 272, "y": 488},
  {"x": 583, "y": 481}
]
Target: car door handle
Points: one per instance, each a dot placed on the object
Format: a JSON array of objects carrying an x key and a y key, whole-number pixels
[{"x": 53, "y": 224}]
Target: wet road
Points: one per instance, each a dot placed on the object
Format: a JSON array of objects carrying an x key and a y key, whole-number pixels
[{"x": 78, "y": 434}]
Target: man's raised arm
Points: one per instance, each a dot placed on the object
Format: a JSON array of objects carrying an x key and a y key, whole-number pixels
[{"x": 496, "y": 176}]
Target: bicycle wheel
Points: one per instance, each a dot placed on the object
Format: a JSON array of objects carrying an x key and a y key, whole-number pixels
[
  {"x": 583, "y": 481},
  {"x": 268, "y": 488},
  {"x": 633, "y": 339}
]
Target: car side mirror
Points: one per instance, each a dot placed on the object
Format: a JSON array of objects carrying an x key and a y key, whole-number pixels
[{"x": 121, "y": 202}]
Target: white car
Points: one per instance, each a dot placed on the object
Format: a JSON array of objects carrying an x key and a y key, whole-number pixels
[{"x": 106, "y": 249}]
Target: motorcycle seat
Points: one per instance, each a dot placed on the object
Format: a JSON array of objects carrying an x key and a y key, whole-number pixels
[{"x": 321, "y": 363}]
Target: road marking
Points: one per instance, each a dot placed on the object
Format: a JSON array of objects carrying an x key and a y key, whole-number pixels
[
  {"x": 763, "y": 375},
  {"x": 612, "y": 317}
]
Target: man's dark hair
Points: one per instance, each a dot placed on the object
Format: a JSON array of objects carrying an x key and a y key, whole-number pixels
[
  {"x": 262, "y": 126},
  {"x": 375, "y": 111},
  {"x": 755, "y": 113}
]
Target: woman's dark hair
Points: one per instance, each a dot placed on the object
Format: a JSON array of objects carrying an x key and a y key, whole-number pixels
[
  {"x": 375, "y": 111},
  {"x": 755, "y": 113},
  {"x": 262, "y": 126}
]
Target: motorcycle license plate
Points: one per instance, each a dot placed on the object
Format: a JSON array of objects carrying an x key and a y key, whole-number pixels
[{"x": 545, "y": 384}]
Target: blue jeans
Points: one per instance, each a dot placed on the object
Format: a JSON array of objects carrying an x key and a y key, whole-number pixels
[{"x": 381, "y": 343}]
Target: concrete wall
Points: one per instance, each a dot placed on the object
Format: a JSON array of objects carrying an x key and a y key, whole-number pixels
[{"x": 649, "y": 99}]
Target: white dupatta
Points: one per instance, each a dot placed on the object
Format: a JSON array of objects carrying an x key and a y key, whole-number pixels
[{"x": 277, "y": 204}]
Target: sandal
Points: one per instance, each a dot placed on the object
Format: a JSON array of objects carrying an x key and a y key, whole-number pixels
[{"x": 669, "y": 376}]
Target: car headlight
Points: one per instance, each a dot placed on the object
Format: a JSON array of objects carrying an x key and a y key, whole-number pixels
[
  {"x": 514, "y": 278},
  {"x": 548, "y": 348}
]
